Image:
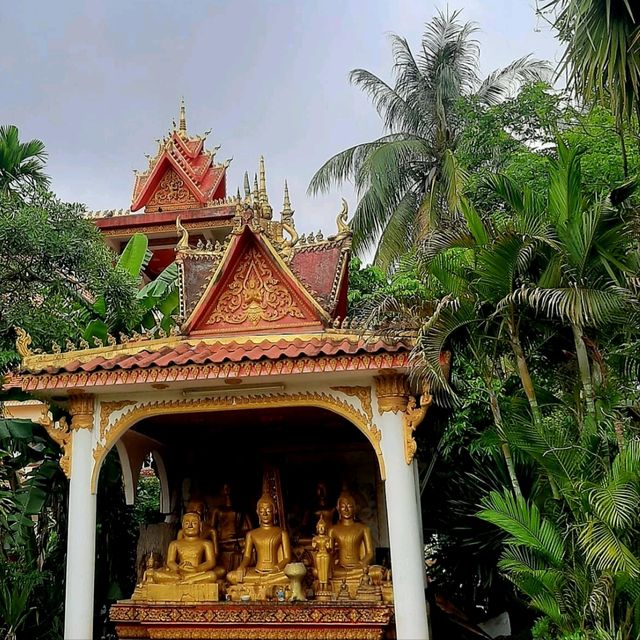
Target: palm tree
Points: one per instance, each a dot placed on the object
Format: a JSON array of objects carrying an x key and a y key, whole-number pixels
[
  {"x": 578, "y": 559},
  {"x": 409, "y": 179},
  {"x": 588, "y": 276},
  {"x": 602, "y": 58},
  {"x": 21, "y": 163}
]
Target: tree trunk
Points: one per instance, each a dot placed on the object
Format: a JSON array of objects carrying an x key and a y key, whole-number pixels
[
  {"x": 585, "y": 371},
  {"x": 523, "y": 369},
  {"x": 623, "y": 149},
  {"x": 504, "y": 445}
]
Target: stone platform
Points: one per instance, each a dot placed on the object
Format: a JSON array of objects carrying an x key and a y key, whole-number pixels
[{"x": 252, "y": 621}]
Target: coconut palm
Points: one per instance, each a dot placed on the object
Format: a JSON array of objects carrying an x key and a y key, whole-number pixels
[
  {"x": 602, "y": 58},
  {"x": 408, "y": 180},
  {"x": 21, "y": 163}
]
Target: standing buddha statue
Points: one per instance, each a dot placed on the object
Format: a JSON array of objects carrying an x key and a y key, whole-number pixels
[{"x": 322, "y": 548}]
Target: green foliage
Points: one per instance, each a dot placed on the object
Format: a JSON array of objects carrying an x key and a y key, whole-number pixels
[
  {"x": 147, "y": 504},
  {"x": 32, "y": 531},
  {"x": 21, "y": 163},
  {"x": 410, "y": 179},
  {"x": 602, "y": 54},
  {"x": 53, "y": 268}
]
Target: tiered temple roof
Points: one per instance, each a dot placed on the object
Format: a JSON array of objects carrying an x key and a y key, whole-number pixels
[{"x": 256, "y": 300}]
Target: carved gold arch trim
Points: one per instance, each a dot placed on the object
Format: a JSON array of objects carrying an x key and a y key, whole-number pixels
[{"x": 112, "y": 432}]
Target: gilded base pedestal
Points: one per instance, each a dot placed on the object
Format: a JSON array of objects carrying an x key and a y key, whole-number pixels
[
  {"x": 252, "y": 621},
  {"x": 178, "y": 592}
]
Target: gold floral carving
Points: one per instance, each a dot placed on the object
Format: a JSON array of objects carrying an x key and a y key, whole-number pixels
[
  {"x": 254, "y": 294},
  {"x": 263, "y": 634},
  {"x": 59, "y": 432},
  {"x": 392, "y": 390},
  {"x": 80, "y": 406},
  {"x": 106, "y": 411},
  {"x": 169, "y": 227},
  {"x": 413, "y": 416},
  {"x": 191, "y": 405},
  {"x": 353, "y": 621},
  {"x": 363, "y": 394},
  {"x": 171, "y": 193}
]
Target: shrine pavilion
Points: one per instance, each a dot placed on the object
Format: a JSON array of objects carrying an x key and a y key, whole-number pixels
[{"x": 260, "y": 389}]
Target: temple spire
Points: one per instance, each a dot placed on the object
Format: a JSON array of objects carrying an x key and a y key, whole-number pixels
[
  {"x": 247, "y": 188},
  {"x": 287, "y": 211},
  {"x": 255, "y": 193},
  {"x": 182, "y": 126},
  {"x": 265, "y": 207}
]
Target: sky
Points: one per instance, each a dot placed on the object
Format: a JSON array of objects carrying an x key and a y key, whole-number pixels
[{"x": 99, "y": 81}]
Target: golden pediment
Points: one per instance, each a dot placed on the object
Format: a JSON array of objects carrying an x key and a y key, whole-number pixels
[
  {"x": 171, "y": 194},
  {"x": 255, "y": 293}
]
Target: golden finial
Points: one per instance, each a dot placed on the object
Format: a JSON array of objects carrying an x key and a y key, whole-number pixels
[
  {"x": 182, "y": 127},
  {"x": 247, "y": 188},
  {"x": 183, "y": 243},
  {"x": 343, "y": 228},
  {"x": 23, "y": 342},
  {"x": 267, "y": 212},
  {"x": 287, "y": 211},
  {"x": 256, "y": 191}
]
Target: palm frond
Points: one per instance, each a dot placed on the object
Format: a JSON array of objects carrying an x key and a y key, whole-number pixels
[
  {"x": 581, "y": 306},
  {"x": 605, "y": 551},
  {"x": 616, "y": 503},
  {"x": 525, "y": 525},
  {"x": 344, "y": 165},
  {"x": 503, "y": 83}
]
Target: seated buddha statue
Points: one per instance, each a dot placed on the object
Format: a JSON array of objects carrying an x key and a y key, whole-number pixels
[
  {"x": 271, "y": 546},
  {"x": 190, "y": 559},
  {"x": 207, "y": 532},
  {"x": 353, "y": 542}
]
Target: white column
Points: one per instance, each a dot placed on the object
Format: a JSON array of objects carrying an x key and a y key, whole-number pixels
[
  {"x": 81, "y": 542},
  {"x": 405, "y": 534}
]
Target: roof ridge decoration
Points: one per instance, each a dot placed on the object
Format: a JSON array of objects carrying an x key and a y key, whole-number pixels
[{"x": 182, "y": 174}]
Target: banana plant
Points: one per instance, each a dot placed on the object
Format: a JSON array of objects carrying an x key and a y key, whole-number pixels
[{"x": 158, "y": 299}]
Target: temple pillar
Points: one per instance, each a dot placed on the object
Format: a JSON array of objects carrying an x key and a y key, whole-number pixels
[
  {"x": 405, "y": 534},
  {"x": 81, "y": 539}
]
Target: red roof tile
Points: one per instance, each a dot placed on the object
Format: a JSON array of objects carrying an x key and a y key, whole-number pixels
[{"x": 232, "y": 352}]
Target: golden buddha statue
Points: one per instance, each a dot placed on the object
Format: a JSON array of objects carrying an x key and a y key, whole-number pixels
[
  {"x": 207, "y": 532},
  {"x": 353, "y": 543},
  {"x": 322, "y": 548},
  {"x": 190, "y": 558},
  {"x": 231, "y": 527},
  {"x": 272, "y": 550},
  {"x": 321, "y": 508},
  {"x": 190, "y": 574}
]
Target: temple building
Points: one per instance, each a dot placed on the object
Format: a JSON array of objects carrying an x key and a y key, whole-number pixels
[{"x": 282, "y": 435}]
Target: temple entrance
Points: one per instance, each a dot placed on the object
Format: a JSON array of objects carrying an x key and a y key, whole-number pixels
[{"x": 224, "y": 460}]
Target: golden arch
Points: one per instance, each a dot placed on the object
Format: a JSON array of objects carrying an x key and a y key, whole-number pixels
[{"x": 112, "y": 433}]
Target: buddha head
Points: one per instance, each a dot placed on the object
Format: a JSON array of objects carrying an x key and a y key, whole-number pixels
[
  {"x": 321, "y": 527},
  {"x": 321, "y": 493},
  {"x": 266, "y": 509},
  {"x": 346, "y": 506},
  {"x": 191, "y": 524},
  {"x": 195, "y": 505}
]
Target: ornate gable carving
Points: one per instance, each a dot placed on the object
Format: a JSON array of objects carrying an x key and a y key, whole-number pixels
[
  {"x": 171, "y": 194},
  {"x": 254, "y": 292}
]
